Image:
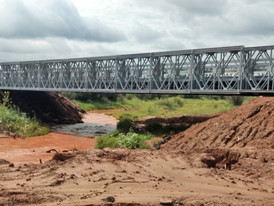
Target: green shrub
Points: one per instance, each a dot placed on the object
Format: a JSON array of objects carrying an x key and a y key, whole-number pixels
[
  {"x": 130, "y": 96},
  {"x": 179, "y": 101},
  {"x": 106, "y": 141},
  {"x": 130, "y": 140},
  {"x": 237, "y": 100},
  {"x": 124, "y": 125},
  {"x": 17, "y": 122},
  {"x": 167, "y": 104},
  {"x": 133, "y": 141},
  {"x": 171, "y": 103}
]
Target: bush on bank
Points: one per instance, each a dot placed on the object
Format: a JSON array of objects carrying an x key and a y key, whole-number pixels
[
  {"x": 120, "y": 140},
  {"x": 17, "y": 122}
]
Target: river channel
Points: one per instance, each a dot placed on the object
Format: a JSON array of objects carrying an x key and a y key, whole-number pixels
[{"x": 61, "y": 138}]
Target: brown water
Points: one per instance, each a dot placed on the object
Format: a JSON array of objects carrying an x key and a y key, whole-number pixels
[{"x": 64, "y": 137}]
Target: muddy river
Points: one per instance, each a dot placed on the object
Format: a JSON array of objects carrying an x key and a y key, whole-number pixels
[{"x": 62, "y": 138}]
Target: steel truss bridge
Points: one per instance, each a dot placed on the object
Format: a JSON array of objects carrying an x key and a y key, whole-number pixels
[{"x": 225, "y": 70}]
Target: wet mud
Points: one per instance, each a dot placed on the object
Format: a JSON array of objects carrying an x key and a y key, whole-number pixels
[{"x": 63, "y": 138}]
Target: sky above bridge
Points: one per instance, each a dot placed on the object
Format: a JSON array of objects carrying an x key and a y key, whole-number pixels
[{"x": 53, "y": 29}]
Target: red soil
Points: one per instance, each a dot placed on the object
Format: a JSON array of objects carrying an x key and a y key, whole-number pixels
[
  {"x": 247, "y": 128},
  {"x": 33, "y": 149},
  {"x": 237, "y": 146}
]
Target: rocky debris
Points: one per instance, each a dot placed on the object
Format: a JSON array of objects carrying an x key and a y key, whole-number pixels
[
  {"x": 166, "y": 201},
  {"x": 49, "y": 107},
  {"x": 4, "y": 162},
  {"x": 109, "y": 199},
  {"x": 62, "y": 156},
  {"x": 218, "y": 158},
  {"x": 165, "y": 140},
  {"x": 11, "y": 165},
  {"x": 57, "y": 182}
]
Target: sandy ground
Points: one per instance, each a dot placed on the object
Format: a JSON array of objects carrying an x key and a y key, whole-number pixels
[
  {"x": 205, "y": 165},
  {"x": 140, "y": 177}
]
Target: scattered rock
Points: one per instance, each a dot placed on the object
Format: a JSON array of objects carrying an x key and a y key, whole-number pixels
[
  {"x": 62, "y": 157},
  {"x": 57, "y": 182},
  {"x": 52, "y": 150},
  {"x": 166, "y": 201},
  {"x": 220, "y": 158},
  {"x": 157, "y": 146},
  {"x": 109, "y": 199},
  {"x": 4, "y": 162},
  {"x": 209, "y": 160},
  {"x": 11, "y": 165}
]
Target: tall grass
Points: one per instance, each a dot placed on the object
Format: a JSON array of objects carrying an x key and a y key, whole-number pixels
[
  {"x": 17, "y": 122},
  {"x": 136, "y": 107}
]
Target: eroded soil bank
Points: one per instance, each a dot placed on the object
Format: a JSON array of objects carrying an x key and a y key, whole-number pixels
[{"x": 49, "y": 107}]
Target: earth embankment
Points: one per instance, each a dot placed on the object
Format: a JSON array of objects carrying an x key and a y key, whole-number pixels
[
  {"x": 249, "y": 128},
  {"x": 49, "y": 107}
]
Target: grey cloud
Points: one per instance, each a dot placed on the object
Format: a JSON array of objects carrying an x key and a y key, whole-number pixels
[
  {"x": 218, "y": 19},
  {"x": 252, "y": 19},
  {"x": 205, "y": 7},
  {"x": 143, "y": 33},
  {"x": 186, "y": 7},
  {"x": 40, "y": 19}
]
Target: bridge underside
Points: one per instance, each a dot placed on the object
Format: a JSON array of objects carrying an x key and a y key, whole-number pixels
[{"x": 226, "y": 70}]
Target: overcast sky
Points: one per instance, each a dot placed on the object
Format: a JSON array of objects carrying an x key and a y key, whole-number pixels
[{"x": 52, "y": 29}]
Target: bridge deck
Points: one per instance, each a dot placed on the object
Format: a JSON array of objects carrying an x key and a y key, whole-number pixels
[{"x": 225, "y": 70}]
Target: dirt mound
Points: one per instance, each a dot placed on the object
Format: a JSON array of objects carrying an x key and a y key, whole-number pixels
[
  {"x": 50, "y": 107},
  {"x": 248, "y": 130}
]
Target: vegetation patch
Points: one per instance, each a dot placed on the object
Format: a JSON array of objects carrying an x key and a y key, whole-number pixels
[
  {"x": 139, "y": 106},
  {"x": 124, "y": 125},
  {"x": 17, "y": 122},
  {"x": 120, "y": 140}
]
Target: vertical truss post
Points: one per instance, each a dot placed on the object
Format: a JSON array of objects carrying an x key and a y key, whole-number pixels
[
  {"x": 1, "y": 76},
  {"x": 116, "y": 74},
  {"x": 61, "y": 75},
  {"x": 39, "y": 75},
  {"x": 150, "y": 72},
  {"x": 86, "y": 74},
  {"x": 271, "y": 69},
  {"x": 192, "y": 64},
  {"x": 241, "y": 70}
]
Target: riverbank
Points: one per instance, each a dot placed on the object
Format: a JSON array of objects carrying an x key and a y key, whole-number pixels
[{"x": 68, "y": 138}]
